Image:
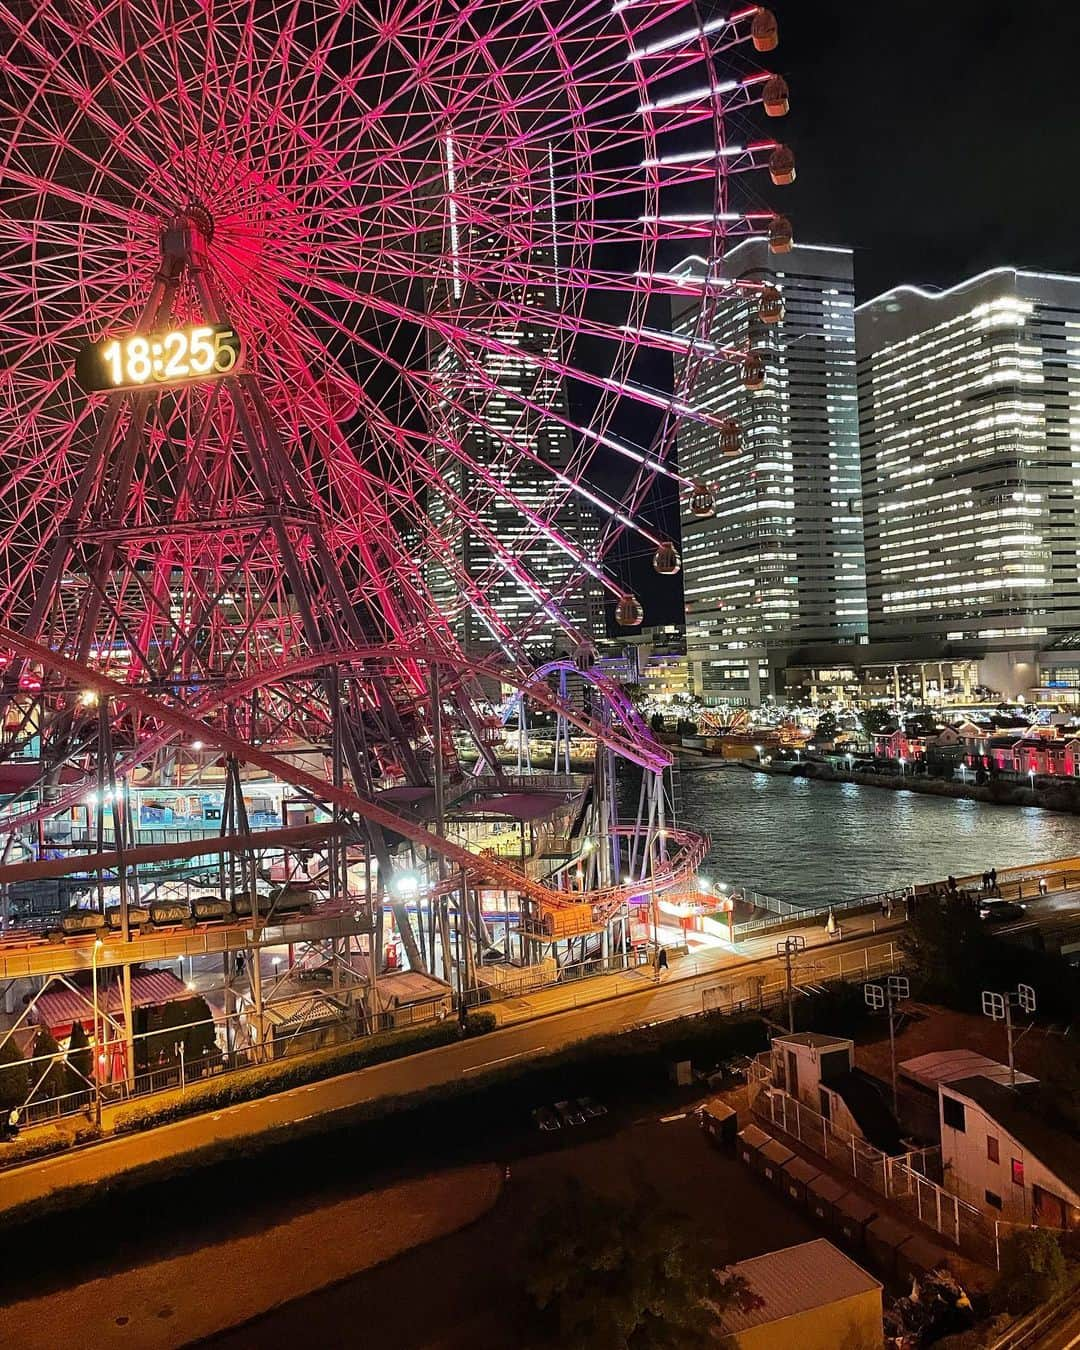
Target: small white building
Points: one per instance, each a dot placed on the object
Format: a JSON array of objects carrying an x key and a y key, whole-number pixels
[
  {"x": 1000, "y": 1154},
  {"x": 804, "y": 1060},
  {"x": 819, "y": 1071}
]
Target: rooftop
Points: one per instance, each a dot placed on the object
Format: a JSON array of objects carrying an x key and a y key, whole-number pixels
[
  {"x": 817, "y": 1040},
  {"x": 949, "y": 1066},
  {"x": 1018, "y": 1111},
  {"x": 796, "y": 1280}
]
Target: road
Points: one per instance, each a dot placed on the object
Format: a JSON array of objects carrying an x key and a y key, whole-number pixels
[{"x": 544, "y": 1032}]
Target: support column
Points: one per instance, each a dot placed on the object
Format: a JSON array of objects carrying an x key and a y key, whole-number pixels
[{"x": 255, "y": 976}]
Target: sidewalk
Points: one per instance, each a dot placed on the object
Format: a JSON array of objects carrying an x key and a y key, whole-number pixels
[{"x": 720, "y": 960}]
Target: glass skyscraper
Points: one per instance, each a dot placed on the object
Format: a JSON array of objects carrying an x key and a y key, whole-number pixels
[{"x": 780, "y": 563}]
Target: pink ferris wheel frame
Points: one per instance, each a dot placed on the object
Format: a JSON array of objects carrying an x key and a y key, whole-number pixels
[{"x": 442, "y": 228}]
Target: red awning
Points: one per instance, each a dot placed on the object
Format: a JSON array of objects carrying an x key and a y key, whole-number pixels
[{"x": 60, "y": 1006}]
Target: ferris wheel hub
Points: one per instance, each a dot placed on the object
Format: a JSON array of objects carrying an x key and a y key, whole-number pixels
[{"x": 186, "y": 237}]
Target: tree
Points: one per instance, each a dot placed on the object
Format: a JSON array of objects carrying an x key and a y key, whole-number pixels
[
  {"x": 1032, "y": 1271},
  {"x": 945, "y": 943},
  {"x": 80, "y": 1062},
  {"x": 827, "y": 727},
  {"x": 610, "y": 1275},
  {"x": 875, "y": 720},
  {"x": 186, "y": 1020},
  {"x": 48, "y": 1077},
  {"x": 14, "y": 1079}
]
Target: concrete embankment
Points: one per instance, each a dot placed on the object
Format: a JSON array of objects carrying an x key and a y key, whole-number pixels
[
  {"x": 174, "y": 1302},
  {"x": 1064, "y": 797}
]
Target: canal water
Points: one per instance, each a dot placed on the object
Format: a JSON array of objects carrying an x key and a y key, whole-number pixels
[{"x": 805, "y": 841}]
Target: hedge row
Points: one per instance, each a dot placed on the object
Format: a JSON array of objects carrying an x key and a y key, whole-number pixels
[
  {"x": 51, "y": 1139},
  {"x": 261, "y": 1081}
]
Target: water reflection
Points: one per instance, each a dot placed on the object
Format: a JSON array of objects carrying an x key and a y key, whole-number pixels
[{"x": 799, "y": 839}]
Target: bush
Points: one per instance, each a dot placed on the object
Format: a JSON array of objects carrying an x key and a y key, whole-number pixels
[
  {"x": 49, "y": 1139},
  {"x": 1032, "y": 1271},
  {"x": 480, "y": 1023},
  {"x": 278, "y": 1076}
]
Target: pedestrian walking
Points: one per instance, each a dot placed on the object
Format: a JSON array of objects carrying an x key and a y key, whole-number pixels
[
  {"x": 239, "y": 965},
  {"x": 993, "y": 878},
  {"x": 986, "y": 880},
  {"x": 1042, "y": 885}
]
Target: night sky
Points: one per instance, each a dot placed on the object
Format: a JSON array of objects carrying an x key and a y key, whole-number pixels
[{"x": 935, "y": 137}]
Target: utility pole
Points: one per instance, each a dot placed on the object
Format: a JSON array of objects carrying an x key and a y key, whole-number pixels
[
  {"x": 998, "y": 1007},
  {"x": 790, "y": 947},
  {"x": 878, "y": 997}
]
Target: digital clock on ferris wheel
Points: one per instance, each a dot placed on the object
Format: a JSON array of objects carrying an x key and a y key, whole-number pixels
[{"x": 170, "y": 357}]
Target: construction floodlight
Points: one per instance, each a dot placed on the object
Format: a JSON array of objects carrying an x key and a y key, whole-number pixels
[
  {"x": 899, "y": 987},
  {"x": 874, "y": 996},
  {"x": 993, "y": 1005},
  {"x": 1025, "y": 996}
]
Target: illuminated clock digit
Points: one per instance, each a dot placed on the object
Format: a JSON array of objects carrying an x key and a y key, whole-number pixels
[
  {"x": 111, "y": 354},
  {"x": 138, "y": 360},
  {"x": 176, "y": 347},
  {"x": 202, "y": 351},
  {"x": 224, "y": 350}
]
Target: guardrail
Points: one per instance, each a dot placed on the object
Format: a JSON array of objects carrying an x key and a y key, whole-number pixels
[{"x": 883, "y": 900}]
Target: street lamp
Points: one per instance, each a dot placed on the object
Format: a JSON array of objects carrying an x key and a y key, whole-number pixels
[
  {"x": 98, "y": 944},
  {"x": 903, "y": 761}
]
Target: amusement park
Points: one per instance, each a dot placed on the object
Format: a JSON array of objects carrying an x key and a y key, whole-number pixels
[{"x": 332, "y": 434}]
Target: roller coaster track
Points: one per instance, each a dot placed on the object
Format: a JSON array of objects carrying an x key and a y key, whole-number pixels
[{"x": 685, "y": 852}]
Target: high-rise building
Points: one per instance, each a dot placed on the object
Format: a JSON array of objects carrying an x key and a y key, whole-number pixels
[
  {"x": 780, "y": 563},
  {"x": 969, "y": 406},
  {"x": 518, "y": 433}
]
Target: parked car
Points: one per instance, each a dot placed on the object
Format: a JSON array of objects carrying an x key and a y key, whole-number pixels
[
  {"x": 999, "y": 911},
  {"x": 590, "y": 1108},
  {"x": 545, "y": 1119},
  {"x": 569, "y": 1113}
]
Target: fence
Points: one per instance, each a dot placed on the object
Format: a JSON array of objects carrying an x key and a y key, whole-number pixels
[
  {"x": 784, "y": 912},
  {"x": 902, "y": 1180},
  {"x": 751, "y": 991}
]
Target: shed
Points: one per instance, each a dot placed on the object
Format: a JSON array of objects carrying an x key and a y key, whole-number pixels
[
  {"x": 798, "y": 1173},
  {"x": 811, "y": 1296},
  {"x": 771, "y": 1159},
  {"x": 918, "y": 1255},
  {"x": 821, "y": 1196},
  {"x": 719, "y": 1121},
  {"x": 751, "y": 1140},
  {"x": 884, "y": 1238},
  {"x": 854, "y": 1213}
]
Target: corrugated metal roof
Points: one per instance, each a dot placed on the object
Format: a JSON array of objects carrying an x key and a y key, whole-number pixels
[
  {"x": 62, "y": 1006},
  {"x": 796, "y": 1280},
  {"x": 946, "y": 1066}
]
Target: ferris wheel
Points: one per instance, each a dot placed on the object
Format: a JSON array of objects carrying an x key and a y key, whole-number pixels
[{"x": 302, "y": 300}]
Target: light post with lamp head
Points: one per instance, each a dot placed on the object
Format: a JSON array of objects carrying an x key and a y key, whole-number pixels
[{"x": 98, "y": 944}]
